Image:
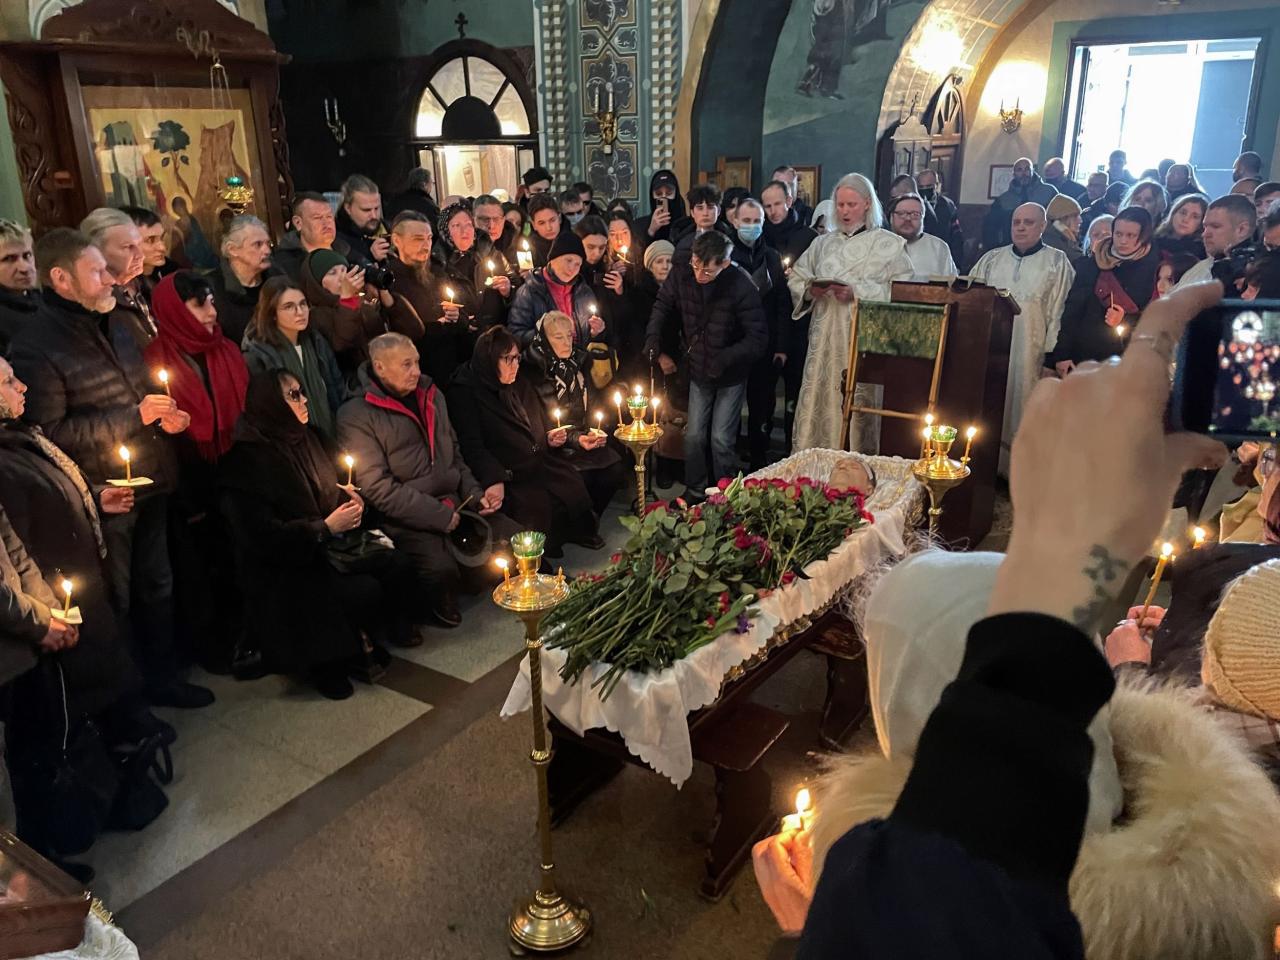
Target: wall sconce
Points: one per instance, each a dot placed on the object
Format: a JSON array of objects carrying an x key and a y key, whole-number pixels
[
  {"x": 333, "y": 120},
  {"x": 1011, "y": 120},
  {"x": 606, "y": 118}
]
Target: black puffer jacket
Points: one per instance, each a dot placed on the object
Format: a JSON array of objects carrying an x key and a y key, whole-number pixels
[
  {"x": 791, "y": 237},
  {"x": 356, "y": 239},
  {"x": 764, "y": 265},
  {"x": 722, "y": 322},
  {"x": 17, "y": 307},
  {"x": 84, "y": 391}
]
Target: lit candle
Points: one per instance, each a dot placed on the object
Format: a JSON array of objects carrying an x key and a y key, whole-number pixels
[
  {"x": 968, "y": 442},
  {"x": 448, "y": 301},
  {"x": 1121, "y": 330},
  {"x": 488, "y": 281},
  {"x": 128, "y": 466},
  {"x": 617, "y": 402},
  {"x": 66, "y": 604},
  {"x": 1197, "y": 536},
  {"x": 622, "y": 252},
  {"x": 1166, "y": 554},
  {"x": 927, "y": 433},
  {"x": 639, "y": 390},
  {"x": 350, "y": 461},
  {"x": 556, "y": 413},
  {"x": 504, "y": 567},
  {"x": 599, "y": 422},
  {"x": 654, "y": 403},
  {"x": 786, "y": 263},
  {"x": 802, "y": 819},
  {"x": 163, "y": 377},
  {"x": 524, "y": 256}
]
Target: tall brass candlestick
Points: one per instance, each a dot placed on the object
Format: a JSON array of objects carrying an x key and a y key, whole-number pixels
[
  {"x": 639, "y": 436},
  {"x": 550, "y": 920},
  {"x": 937, "y": 471}
]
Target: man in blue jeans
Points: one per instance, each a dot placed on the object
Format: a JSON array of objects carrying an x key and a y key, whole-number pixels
[{"x": 723, "y": 331}]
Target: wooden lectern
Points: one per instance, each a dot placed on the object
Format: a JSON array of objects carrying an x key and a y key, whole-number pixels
[{"x": 975, "y": 372}]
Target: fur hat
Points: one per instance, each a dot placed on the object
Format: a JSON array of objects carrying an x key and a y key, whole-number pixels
[
  {"x": 659, "y": 248},
  {"x": 1241, "y": 663},
  {"x": 567, "y": 244},
  {"x": 1061, "y": 207}
]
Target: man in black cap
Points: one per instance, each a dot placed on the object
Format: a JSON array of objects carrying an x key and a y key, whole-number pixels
[
  {"x": 666, "y": 208},
  {"x": 558, "y": 286}
]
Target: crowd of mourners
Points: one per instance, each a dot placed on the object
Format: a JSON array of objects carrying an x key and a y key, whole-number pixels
[{"x": 296, "y": 454}]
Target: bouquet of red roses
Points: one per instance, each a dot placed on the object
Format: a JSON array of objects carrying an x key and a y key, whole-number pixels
[{"x": 689, "y": 574}]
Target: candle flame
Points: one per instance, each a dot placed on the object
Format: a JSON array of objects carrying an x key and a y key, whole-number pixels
[
  {"x": 639, "y": 392},
  {"x": 1199, "y": 534},
  {"x": 66, "y": 587},
  {"x": 1120, "y": 331},
  {"x": 124, "y": 454},
  {"x": 623, "y": 249},
  {"x": 928, "y": 419},
  {"x": 971, "y": 433},
  {"x": 448, "y": 292},
  {"x": 349, "y": 461},
  {"x": 490, "y": 265},
  {"x": 804, "y": 802},
  {"x": 1166, "y": 550},
  {"x": 617, "y": 396},
  {"x": 655, "y": 401},
  {"x": 501, "y": 562},
  {"x": 927, "y": 433},
  {"x": 599, "y": 416},
  {"x": 163, "y": 375},
  {"x": 525, "y": 244},
  {"x": 556, "y": 413}
]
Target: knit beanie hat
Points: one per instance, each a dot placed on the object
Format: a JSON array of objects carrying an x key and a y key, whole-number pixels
[
  {"x": 565, "y": 244},
  {"x": 1241, "y": 663},
  {"x": 1061, "y": 207},
  {"x": 320, "y": 262},
  {"x": 659, "y": 248}
]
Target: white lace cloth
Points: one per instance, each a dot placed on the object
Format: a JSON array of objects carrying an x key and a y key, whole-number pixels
[
  {"x": 650, "y": 710},
  {"x": 101, "y": 941}
]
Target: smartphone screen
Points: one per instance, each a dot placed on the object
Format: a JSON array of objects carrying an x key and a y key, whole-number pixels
[{"x": 1227, "y": 371}]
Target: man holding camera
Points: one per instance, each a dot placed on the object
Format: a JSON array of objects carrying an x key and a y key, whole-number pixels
[
  {"x": 1228, "y": 240},
  {"x": 359, "y": 221}
]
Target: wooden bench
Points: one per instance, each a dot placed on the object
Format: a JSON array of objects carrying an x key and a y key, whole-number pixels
[{"x": 733, "y": 735}]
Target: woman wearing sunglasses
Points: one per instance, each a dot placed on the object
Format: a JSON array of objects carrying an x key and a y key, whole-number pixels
[
  {"x": 281, "y": 338},
  {"x": 287, "y": 509}
]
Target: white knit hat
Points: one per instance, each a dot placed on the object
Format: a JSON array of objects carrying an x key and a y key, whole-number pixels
[
  {"x": 1241, "y": 663},
  {"x": 916, "y": 626}
]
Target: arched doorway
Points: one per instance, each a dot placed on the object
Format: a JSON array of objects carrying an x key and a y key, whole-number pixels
[{"x": 475, "y": 125}]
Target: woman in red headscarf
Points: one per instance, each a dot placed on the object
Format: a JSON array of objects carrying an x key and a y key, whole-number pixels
[{"x": 208, "y": 378}]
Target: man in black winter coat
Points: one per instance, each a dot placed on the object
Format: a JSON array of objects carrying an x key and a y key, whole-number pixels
[
  {"x": 245, "y": 265},
  {"x": 946, "y": 217},
  {"x": 704, "y": 214},
  {"x": 762, "y": 262},
  {"x": 88, "y": 388},
  {"x": 720, "y": 313},
  {"x": 417, "y": 196},
  {"x": 19, "y": 298},
  {"x": 359, "y": 221}
]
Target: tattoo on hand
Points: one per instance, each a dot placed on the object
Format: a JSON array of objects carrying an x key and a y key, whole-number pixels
[{"x": 1103, "y": 572}]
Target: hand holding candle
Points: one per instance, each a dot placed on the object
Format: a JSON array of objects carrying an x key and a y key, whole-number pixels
[
  {"x": 488, "y": 281},
  {"x": 449, "y": 302},
  {"x": 1166, "y": 555},
  {"x": 66, "y": 604},
  {"x": 127, "y": 457},
  {"x": 556, "y": 413},
  {"x": 802, "y": 819}
]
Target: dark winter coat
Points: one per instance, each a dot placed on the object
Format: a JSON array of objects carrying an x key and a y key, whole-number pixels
[
  {"x": 791, "y": 237},
  {"x": 84, "y": 391},
  {"x": 504, "y": 440},
  {"x": 482, "y": 307},
  {"x": 322, "y": 379},
  {"x": 679, "y": 218},
  {"x": 17, "y": 307},
  {"x": 411, "y": 472},
  {"x": 358, "y": 242},
  {"x": 683, "y": 239},
  {"x": 573, "y": 396},
  {"x": 50, "y": 518},
  {"x": 944, "y": 223},
  {"x": 1085, "y": 334},
  {"x": 999, "y": 220},
  {"x": 236, "y": 303},
  {"x": 764, "y": 265},
  {"x": 411, "y": 200},
  {"x": 25, "y": 599},
  {"x": 441, "y": 346},
  {"x": 1069, "y": 188},
  {"x": 289, "y": 254},
  {"x": 722, "y": 323},
  {"x": 534, "y": 299}
]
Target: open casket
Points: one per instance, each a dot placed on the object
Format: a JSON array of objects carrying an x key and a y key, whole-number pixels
[{"x": 649, "y": 710}]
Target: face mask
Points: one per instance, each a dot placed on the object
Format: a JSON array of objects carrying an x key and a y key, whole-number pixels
[
  {"x": 928, "y": 192},
  {"x": 575, "y": 218},
  {"x": 749, "y": 233}
]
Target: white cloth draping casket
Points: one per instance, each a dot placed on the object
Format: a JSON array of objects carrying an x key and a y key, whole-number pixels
[{"x": 650, "y": 710}]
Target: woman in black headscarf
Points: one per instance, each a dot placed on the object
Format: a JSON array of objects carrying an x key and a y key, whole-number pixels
[
  {"x": 509, "y": 439},
  {"x": 315, "y": 609}
]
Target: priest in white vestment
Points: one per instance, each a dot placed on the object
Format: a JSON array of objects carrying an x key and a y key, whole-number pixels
[
  {"x": 930, "y": 257},
  {"x": 863, "y": 260},
  {"x": 1039, "y": 278}
]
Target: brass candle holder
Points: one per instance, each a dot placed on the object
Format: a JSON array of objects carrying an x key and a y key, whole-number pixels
[
  {"x": 639, "y": 436},
  {"x": 938, "y": 472},
  {"x": 549, "y": 921}
]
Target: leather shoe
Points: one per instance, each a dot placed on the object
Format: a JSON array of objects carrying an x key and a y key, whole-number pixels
[
  {"x": 178, "y": 693},
  {"x": 444, "y": 612},
  {"x": 332, "y": 683}
]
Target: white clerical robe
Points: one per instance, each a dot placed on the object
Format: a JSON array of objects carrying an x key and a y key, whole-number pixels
[
  {"x": 930, "y": 257},
  {"x": 868, "y": 261},
  {"x": 1039, "y": 283}
]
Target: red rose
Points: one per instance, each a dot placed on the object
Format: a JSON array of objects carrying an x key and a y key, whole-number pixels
[
  {"x": 616, "y": 558},
  {"x": 656, "y": 505},
  {"x": 724, "y": 601},
  {"x": 710, "y": 621},
  {"x": 681, "y": 504},
  {"x": 723, "y": 484},
  {"x": 788, "y": 577}
]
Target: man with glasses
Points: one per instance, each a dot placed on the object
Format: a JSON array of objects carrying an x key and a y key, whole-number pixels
[
  {"x": 930, "y": 257},
  {"x": 721, "y": 319},
  {"x": 494, "y": 231}
]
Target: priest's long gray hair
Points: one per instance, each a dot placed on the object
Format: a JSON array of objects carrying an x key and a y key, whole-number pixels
[{"x": 861, "y": 186}]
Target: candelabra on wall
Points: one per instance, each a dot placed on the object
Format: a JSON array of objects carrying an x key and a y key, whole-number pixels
[
  {"x": 1011, "y": 120},
  {"x": 333, "y": 120}
]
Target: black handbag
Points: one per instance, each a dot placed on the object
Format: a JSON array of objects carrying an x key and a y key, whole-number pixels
[
  {"x": 357, "y": 551},
  {"x": 139, "y": 799},
  {"x": 64, "y": 791}
]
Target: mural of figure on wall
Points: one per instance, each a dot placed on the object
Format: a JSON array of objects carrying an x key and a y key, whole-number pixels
[
  {"x": 827, "y": 52},
  {"x": 124, "y": 165}
]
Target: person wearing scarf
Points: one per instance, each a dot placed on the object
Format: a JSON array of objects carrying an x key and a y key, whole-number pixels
[
  {"x": 559, "y": 286},
  {"x": 1063, "y": 231},
  {"x": 56, "y": 513},
  {"x": 482, "y": 301},
  {"x": 281, "y": 338},
  {"x": 508, "y": 439},
  {"x": 558, "y": 372},
  {"x": 207, "y": 378},
  {"x": 1111, "y": 288},
  {"x": 282, "y": 496}
]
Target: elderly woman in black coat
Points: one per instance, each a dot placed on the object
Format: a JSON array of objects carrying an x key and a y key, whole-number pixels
[
  {"x": 559, "y": 374},
  {"x": 56, "y": 513},
  {"x": 316, "y": 611},
  {"x": 508, "y": 439}
]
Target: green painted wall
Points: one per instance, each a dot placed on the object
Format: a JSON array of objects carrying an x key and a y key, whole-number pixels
[
  {"x": 394, "y": 28},
  {"x": 11, "y": 204},
  {"x": 1262, "y": 22}
]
